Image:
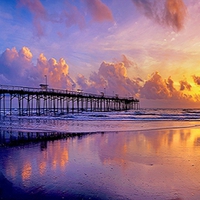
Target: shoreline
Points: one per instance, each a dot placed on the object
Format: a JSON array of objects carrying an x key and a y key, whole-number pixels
[
  {"x": 84, "y": 126},
  {"x": 150, "y": 159},
  {"x": 10, "y": 136}
]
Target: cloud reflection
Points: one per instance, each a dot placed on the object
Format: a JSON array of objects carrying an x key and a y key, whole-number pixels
[{"x": 155, "y": 163}]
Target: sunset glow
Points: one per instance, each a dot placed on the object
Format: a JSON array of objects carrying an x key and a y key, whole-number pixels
[{"x": 143, "y": 48}]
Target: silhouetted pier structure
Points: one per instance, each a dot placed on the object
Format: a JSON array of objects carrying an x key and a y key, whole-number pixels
[{"x": 48, "y": 101}]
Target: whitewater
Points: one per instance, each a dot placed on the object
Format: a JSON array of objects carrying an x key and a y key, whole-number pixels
[{"x": 143, "y": 119}]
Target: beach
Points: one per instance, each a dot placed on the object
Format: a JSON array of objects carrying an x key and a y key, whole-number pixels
[
  {"x": 119, "y": 159},
  {"x": 100, "y": 100}
]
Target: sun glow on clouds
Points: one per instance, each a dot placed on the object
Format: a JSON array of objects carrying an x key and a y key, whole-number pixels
[
  {"x": 19, "y": 64},
  {"x": 111, "y": 78},
  {"x": 148, "y": 49}
]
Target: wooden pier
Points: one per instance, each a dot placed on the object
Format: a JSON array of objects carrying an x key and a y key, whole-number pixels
[{"x": 47, "y": 101}]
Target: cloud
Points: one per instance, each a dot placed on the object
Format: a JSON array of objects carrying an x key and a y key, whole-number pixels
[
  {"x": 25, "y": 53},
  {"x": 39, "y": 14},
  {"x": 111, "y": 78},
  {"x": 98, "y": 11},
  {"x": 70, "y": 14},
  {"x": 128, "y": 63},
  {"x": 170, "y": 13},
  {"x": 146, "y": 6},
  {"x": 158, "y": 88},
  {"x": 18, "y": 69},
  {"x": 196, "y": 79},
  {"x": 175, "y": 13},
  {"x": 83, "y": 82},
  {"x": 15, "y": 64},
  {"x": 56, "y": 72},
  {"x": 184, "y": 85},
  {"x": 35, "y": 7},
  {"x": 170, "y": 84}
]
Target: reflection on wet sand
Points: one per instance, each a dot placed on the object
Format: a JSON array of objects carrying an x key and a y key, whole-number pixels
[
  {"x": 153, "y": 164},
  {"x": 26, "y": 171},
  {"x": 157, "y": 160}
]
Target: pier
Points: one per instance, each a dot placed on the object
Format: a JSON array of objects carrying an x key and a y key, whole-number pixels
[{"x": 51, "y": 102}]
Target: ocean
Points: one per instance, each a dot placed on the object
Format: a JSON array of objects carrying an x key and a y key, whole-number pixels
[
  {"x": 143, "y": 154},
  {"x": 104, "y": 121}
]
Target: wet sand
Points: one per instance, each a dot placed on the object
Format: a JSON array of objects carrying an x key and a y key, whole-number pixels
[{"x": 161, "y": 163}]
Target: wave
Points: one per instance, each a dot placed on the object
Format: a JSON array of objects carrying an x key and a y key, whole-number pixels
[
  {"x": 141, "y": 115},
  {"x": 133, "y": 115},
  {"x": 144, "y": 119}
]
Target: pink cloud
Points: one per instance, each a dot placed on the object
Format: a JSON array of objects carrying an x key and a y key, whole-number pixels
[
  {"x": 128, "y": 63},
  {"x": 155, "y": 88},
  {"x": 39, "y": 13},
  {"x": 175, "y": 13},
  {"x": 72, "y": 16},
  {"x": 18, "y": 69},
  {"x": 111, "y": 78},
  {"x": 69, "y": 15},
  {"x": 99, "y": 11},
  {"x": 13, "y": 59},
  {"x": 171, "y": 13},
  {"x": 35, "y": 6}
]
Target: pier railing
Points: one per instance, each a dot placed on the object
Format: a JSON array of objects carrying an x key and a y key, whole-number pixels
[{"x": 8, "y": 88}]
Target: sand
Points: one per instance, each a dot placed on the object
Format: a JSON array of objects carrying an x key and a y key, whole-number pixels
[{"x": 155, "y": 162}]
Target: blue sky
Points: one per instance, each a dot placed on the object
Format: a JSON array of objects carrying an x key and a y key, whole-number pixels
[{"x": 148, "y": 49}]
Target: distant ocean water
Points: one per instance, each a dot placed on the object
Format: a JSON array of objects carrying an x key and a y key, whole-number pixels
[{"x": 141, "y": 114}]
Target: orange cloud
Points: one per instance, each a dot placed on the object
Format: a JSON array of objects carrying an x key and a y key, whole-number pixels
[
  {"x": 57, "y": 72},
  {"x": 184, "y": 85},
  {"x": 26, "y": 53},
  {"x": 196, "y": 79},
  {"x": 158, "y": 88},
  {"x": 170, "y": 84}
]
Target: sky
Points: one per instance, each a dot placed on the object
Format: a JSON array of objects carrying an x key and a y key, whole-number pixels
[{"x": 148, "y": 49}]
